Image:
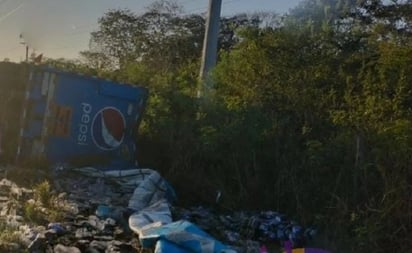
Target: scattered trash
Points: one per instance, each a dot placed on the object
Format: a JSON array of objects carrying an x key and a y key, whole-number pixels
[
  {"x": 237, "y": 228},
  {"x": 288, "y": 245},
  {"x": 155, "y": 215},
  {"x": 110, "y": 211},
  {"x": 263, "y": 249},
  {"x": 151, "y": 189},
  {"x": 184, "y": 235},
  {"x": 57, "y": 228}
]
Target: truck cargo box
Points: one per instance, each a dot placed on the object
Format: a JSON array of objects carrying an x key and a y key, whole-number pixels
[
  {"x": 12, "y": 89},
  {"x": 75, "y": 120}
]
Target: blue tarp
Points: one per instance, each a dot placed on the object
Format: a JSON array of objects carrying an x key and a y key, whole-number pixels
[{"x": 181, "y": 235}]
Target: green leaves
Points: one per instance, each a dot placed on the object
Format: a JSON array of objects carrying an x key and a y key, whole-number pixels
[{"x": 160, "y": 38}]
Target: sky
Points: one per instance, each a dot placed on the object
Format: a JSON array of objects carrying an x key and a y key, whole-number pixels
[{"x": 61, "y": 28}]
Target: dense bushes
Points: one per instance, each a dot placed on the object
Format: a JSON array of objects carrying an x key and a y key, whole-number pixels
[{"x": 299, "y": 124}]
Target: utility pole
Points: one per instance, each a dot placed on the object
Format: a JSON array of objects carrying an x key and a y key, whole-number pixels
[
  {"x": 27, "y": 53},
  {"x": 209, "y": 54},
  {"x": 23, "y": 42}
]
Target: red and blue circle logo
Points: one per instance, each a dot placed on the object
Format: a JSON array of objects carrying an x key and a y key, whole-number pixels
[{"x": 108, "y": 128}]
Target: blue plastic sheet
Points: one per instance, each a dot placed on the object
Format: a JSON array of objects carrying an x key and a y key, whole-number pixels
[
  {"x": 181, "y": 234},
  {"x": 163, "y": 246}
]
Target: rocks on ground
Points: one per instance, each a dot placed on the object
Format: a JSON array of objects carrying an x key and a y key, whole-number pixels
[{"x": 77, "y": 228}]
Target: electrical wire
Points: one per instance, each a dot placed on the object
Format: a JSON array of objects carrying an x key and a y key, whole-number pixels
[{"x": 8, "y": 14}]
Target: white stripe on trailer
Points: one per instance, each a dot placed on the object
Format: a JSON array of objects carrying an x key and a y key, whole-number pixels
[
  {"x": 45, "y": 83},
  {"x": 50, "y": 95},
  {"x": 23, "y": 119}
]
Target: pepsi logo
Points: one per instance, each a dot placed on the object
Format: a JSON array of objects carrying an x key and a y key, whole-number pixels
[{"x": 108, "y": 128}]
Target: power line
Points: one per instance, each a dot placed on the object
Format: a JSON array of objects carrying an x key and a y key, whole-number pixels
[{"x": 8, "y": 14}]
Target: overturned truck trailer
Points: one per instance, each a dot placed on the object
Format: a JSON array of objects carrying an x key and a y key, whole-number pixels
[
  {"x": 67, "y": 119},
  {"x": 12, "y": 89}
]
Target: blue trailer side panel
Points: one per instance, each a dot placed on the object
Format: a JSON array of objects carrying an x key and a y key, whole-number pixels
[{"x": 72, "y": 117}]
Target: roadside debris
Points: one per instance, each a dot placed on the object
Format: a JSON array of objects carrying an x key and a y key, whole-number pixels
[
  {"x": 132, "y": 211},
  {"x": 181, "y": 236},
  {"x": 289, "y": 249}
]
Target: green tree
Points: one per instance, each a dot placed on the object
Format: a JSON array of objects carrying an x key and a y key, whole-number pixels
[{"x": 160, "y": 37}]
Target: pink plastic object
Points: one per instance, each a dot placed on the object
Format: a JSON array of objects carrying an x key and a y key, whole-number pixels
[
  {"x": 288, "y": 246},
  {"x": 263, "y": 249},
  {"x": 289, "y": 249}
]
